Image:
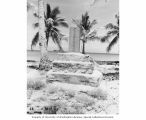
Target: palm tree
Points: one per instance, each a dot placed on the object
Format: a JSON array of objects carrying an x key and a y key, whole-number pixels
[
  {"x": 41, "y": 34},
  {"x": 85, "y": 26},
  {"x": 113, "y": 31},
  {"x": 52, "y": 21}
]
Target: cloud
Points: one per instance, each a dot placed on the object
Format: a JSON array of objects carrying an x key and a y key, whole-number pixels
[
  {"x": 31, "y": 5},
  {"x": 95, "y": 1}
]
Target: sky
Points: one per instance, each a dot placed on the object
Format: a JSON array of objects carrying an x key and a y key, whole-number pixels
[{"x": 101, "y": 11}]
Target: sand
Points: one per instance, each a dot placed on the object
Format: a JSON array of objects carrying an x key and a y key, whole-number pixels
[{"x": 70, "y": 98}]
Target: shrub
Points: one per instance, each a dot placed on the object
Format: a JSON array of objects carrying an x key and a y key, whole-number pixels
[
  {"x": 98, "y": 93},
  {"x": 78, "y": 107},
  {"x": 45, "y": 63},
  {"x": 85, "y": 99},
  {"x": 54, "y": 107},
  {"x": 42, "y": 98},
  {"x": 52, "y": 89},
  {"x": 29, "y": 93},
  {"x": 70, "y": 93},
  {"x": 50, "y": 109},
  {"x": 69, "y": 110},
  {"x": 35, "y": 85}
]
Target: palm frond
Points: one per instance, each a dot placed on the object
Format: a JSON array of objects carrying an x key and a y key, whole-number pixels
[
  {"x": 94, "y": 22},
  {"x": 53, "y": 37},
  {"x": 54, "y": 34},
  {"x": 60, "y": 21},
  {"x": 117, "y": 17},
  {"x": 113, "y": 42},
  {"x": 56, "y": 30},
  {"x": 111, "y": 26},
  {"x": 62, "y": 36},
  {"x": 63, "y": 24},
  {"x": 85, "y": 28},
  {"x": 93, "y": 38},
  {"x": 56, "y": 39},
  {"x": 47, "y": 36},
  {"x": 54, "y": 13},
  {"x": 35, "y": 40},
  {"x": 92, "y": 33},
  {"x": 77, "y": 23},
  {"x": 59, "y": 44},
  {"x": 105, "y": 38},
  {"x": 65, "y": 38},
  {"x": 113, "y": 32},
  {"x": 48, "y": 12},
  {"x": 85, "y": 21}
]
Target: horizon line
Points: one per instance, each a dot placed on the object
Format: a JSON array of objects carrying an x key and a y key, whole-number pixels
[{"x": 86, "y": 52}]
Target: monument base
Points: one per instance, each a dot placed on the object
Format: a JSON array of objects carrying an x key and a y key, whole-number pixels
[{"x": 75, "y": 69}]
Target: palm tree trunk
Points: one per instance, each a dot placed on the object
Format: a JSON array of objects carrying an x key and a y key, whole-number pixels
[
  {"x": 42, "y": 36},
  {"x": 83, "y": 50},
  {"x": 59, "y": 46}
]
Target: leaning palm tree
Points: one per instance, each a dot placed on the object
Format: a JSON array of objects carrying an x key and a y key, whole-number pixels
[
  {"x": 51, "y": 23},
  {"x": 113, "y": 31},
  {"x": 85, "y": 26}
]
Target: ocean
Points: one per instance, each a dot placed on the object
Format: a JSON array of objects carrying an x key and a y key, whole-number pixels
[{"x": 35, "y": 55}]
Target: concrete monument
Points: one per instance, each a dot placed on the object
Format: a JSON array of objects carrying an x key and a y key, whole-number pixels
[{"x": 74, "y": 39}]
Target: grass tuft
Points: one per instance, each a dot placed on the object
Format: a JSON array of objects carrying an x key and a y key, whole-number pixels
[
  {"x": 84, "y": 99},
  {"x": 98, "y": 93},
  {"x": 35, "y": 85},
  {"x": 52, "y": 89}
]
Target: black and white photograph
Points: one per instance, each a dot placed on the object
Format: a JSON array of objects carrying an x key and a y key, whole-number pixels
[
  {"x": 73, "y": 57},
  {"x": 64, "y": 59}
]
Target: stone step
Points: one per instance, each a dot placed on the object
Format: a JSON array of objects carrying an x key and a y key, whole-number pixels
[
  {"x": 72, "y": 87},
  {"x": 73, "y": 57},
  {"x": 73, "y": 66},
  {"x": 73, "y": 62},
  {"x": 46, "y": 60},
  {"x": 93, "y": 79}
]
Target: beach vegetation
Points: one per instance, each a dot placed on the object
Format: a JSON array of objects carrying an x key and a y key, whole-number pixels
[
  {"x": 69, "y": 110},
  {"x": 35, "y": 85},
  {"x": 54, "y": 106},
  {"x": 52, "y": 89},
  {"x": 84, "y": 99},
  {"x": 113, "y": 31},
  {"x": 98, "y": 93},
  {"x": 52, "y": 22},
  {"x": 86, "y": 33}
]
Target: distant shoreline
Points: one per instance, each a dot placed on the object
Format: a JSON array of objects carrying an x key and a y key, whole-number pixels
[
  {"x": 67, "y": 51},
  {"x": 35, "y": 55}
]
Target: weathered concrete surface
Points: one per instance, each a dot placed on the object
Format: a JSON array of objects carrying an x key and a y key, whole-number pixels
[
  {"x": 74, "y": 39},
  {"x": 75, "y": 68},
  {"x": 46, "y": 60}
]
